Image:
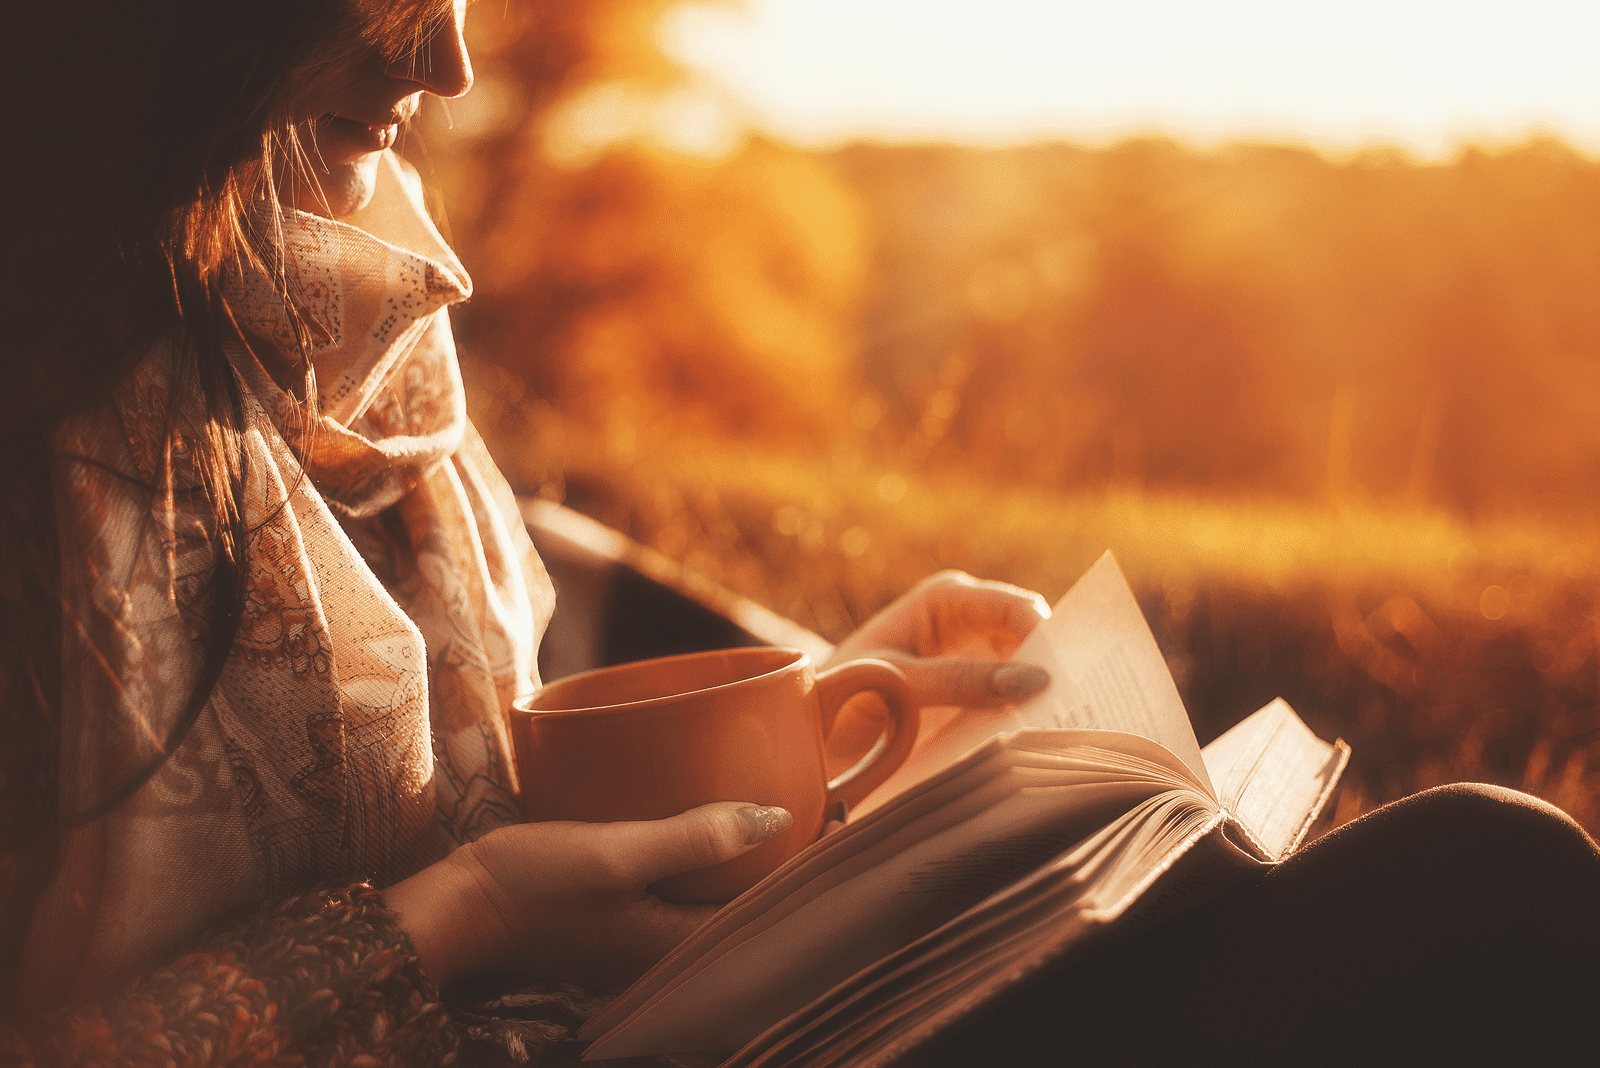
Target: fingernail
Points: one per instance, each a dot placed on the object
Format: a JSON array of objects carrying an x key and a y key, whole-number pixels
[
  {"x": 762, "y": 822},
  {"x": 1018, "y": 680}
]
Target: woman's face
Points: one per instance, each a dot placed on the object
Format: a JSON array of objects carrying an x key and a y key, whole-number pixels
[{"x": 344, "y": 134}]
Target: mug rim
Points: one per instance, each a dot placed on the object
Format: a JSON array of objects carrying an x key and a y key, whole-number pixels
[{"x": 797, "y": 658}]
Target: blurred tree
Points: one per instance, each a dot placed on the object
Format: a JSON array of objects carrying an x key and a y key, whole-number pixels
[
  {"x": 1250, "y": 322},
  {"x": 644, "y": 266},
  {"x": 1255, "y": 321}
]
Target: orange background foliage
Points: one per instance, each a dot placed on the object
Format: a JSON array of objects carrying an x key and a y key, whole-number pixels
[
  {"x": 1340, "y": 419},
  {"x": 1252, "y": 321}
]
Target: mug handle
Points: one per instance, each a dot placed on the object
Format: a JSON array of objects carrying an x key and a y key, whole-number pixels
[{"x": 837, "y": 685}]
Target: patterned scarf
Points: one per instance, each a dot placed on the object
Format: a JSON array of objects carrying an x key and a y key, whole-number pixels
[{"x": 394, "y": 604}]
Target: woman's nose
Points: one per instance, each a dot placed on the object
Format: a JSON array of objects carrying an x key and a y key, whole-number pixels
[{"x": 441, "y": 64}]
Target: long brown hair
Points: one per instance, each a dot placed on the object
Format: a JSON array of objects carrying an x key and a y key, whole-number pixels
[{"x": 148, "y": 138}]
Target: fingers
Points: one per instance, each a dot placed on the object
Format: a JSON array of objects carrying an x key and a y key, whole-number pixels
[
  {"x": 654, "y": 929},
  {"x": 951, "y": 613},
  {"x": 570, "y": 901},
  {"x": 970, "y": 683},
  {"x": 647, "y": 852},
  {"x": 960, "y": 608}
]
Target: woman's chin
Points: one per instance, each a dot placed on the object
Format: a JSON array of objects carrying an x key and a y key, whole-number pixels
[{"x": 342, "y": 189}]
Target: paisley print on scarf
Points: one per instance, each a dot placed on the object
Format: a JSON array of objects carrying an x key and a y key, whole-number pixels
[{"x": 393, "y": 608}]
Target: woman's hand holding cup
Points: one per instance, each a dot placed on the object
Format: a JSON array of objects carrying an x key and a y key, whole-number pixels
[
  {"x": 644, "y": 740},
  {"x": 570, "y": 901}
]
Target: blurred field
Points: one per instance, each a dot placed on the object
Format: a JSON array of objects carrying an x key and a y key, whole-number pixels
[
  {"x": 1338, "y": 419},
  {"x": 1376, "y": 626}
]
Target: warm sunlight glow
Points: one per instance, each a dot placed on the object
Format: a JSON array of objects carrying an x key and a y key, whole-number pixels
[
  {"x": 1422, "y": 74},
  {"x": 1337, "y": 412}
]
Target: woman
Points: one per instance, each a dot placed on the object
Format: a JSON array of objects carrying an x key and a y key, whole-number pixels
[{"x": 267, "y": 598}]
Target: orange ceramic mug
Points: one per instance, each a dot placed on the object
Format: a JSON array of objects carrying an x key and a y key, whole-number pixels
[{"x": 648, "y": 740}]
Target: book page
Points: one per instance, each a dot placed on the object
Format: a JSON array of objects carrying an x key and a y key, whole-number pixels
[
  {"x": 929, "y": 982},
  {"x": 839, "y": 909},
  {"x": 1106, "y": 671},
  {"x": 947, "y": 734},
  {"x": 1061, "y": 813},
  {"x": 1274, "y": 775}
]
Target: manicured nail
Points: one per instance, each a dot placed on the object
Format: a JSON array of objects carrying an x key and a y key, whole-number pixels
[
  {"x": 1018, "y": 680},
  {"x": 761, "y": 823}
]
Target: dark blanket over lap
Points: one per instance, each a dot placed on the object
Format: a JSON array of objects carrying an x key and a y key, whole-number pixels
[{"x": 1458, "y": 925}]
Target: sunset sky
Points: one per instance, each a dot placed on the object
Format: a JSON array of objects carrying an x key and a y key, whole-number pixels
[{"x": 1422, "y": 74}]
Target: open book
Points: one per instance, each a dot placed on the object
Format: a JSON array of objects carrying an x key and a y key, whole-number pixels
[{"x": 1005, "y": 841}]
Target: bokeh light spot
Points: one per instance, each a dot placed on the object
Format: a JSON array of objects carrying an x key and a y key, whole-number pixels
[
  {"x": 892, "y": 488},
  {"x": 855, "y": 542}
]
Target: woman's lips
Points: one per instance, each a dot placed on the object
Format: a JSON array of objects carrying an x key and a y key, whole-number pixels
[{"x": 371, "y": 138}]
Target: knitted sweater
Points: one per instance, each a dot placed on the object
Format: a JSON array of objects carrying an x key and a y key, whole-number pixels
[{"x": 326, "y": 978}]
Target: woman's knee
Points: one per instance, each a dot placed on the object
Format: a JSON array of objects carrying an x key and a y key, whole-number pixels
[
  {"x": 1491, "y": 824},
  {"x": 1462, "y": 841}
]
